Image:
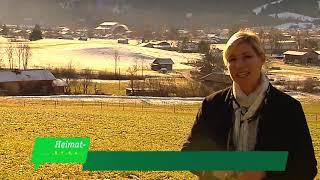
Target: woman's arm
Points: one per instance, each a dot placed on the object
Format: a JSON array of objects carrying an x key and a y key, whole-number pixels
[
  {"x": 199, "y": 138},
  {"x": 301, "y": 163}
]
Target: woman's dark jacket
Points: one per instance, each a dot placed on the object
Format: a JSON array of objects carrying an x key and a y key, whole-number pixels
[{"x": 282, "y": 127}]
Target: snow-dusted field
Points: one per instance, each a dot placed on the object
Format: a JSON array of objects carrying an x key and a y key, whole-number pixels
[
  {"x": 143, "y": 99},
  {"x": 114, "y": 99},
  {"x": 291, "y": 15},
  {"x": 99, "y": 54}
]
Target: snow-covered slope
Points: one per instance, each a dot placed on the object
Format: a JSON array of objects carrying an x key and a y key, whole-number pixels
[
  {"x": 258, "y": 9},
  {"x": 295, "y": 25},
  {"x": 290, "y": 15}
]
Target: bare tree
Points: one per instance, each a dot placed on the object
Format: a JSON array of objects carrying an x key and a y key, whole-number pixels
[
  {"x": 1, "y": 56},
  {"x": 142, "y": 67},
  {"x": 116, "y": 58},
  {"x": 69, "y": 74},
  {"x": 267, "y": 66},
  {"x": 26, "y": 55},
  {"x": 9, "y": 52},
  {"x": 19, "y": 50},
  {"x": 298, "y": 39},
  {"x": 132, "y": 72},
  {"x": 262, "y": 37},
  {"x": 86, "y": 75},
  {"x": 275, "y": 38}
]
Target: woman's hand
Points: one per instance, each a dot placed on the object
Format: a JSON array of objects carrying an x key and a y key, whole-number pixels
[{"x": 252, "y": 175}]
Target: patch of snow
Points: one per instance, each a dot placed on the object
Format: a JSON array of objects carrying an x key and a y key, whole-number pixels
[
  {"x": 295, "y": 25},
  {"x": 3, "y": 40},
  {"x": 59, "y": 83},
  {"x": 276, "y": 2},
  {"x": 98, "y": 54},
  {"x": 141, "y": 99},
  {"x": 258, "y": 9},
  {"x": 120, "y": 99},
  {"x": 287, "y": 15}
]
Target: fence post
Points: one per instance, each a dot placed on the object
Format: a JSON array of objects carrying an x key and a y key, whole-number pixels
[
  {"x": 24, "y": 103},
  {"x": 100, "y": 105},
  {"x": 174, "y": 108},
  {"x": 122, "y": 106}
]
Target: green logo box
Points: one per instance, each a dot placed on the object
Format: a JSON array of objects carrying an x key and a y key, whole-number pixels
[{"x": 60, "y": 150}]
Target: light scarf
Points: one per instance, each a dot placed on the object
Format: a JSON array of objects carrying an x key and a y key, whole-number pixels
[{"x": 245, "y": 109}]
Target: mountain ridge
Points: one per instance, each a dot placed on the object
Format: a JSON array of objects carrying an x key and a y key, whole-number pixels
[{"x": 141, "y": 12}]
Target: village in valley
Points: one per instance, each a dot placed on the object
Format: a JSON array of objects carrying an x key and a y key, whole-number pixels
[{"x": 114, "y": 59}]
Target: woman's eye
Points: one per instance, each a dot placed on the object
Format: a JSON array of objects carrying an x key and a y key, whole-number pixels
[
  {"x": 232, "y": 59},
  {"x": 248, "y": 56}
]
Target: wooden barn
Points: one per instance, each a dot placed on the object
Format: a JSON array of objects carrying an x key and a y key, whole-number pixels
[
  {"x": 29, "y": 82},
  {"x": 162, "y": 64},
  {"x": 302, "y": 57},
  {"x": 123, "y": 41},
  {"x": 216, "y": 80}
]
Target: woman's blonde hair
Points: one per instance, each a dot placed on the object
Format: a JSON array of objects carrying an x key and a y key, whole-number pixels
[{"x": 244, "y": 36}]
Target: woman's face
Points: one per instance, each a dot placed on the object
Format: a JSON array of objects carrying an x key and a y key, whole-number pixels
[{"x": 244, "y": 65}]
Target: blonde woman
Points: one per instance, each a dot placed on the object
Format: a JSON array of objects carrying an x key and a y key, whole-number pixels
[{"x": 252, "y": 115}]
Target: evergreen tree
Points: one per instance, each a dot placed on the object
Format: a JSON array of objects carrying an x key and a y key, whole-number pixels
[
  {"x": 36, "y": 33},
  {"x": 204, "y": 47}
]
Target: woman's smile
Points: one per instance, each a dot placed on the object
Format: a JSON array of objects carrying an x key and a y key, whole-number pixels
[{"x": 243, "y": 74}]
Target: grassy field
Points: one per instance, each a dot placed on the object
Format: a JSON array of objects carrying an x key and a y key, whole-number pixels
[
  {"x": 296, "y": 69},
  {"x": 98, "y": 54},
  {"x": 110, "y": 127}
]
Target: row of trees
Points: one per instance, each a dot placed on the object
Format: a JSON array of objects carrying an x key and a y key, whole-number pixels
[
  {"x": 17, "y": 56},
  {"x": 36, "y": 33},
  {"x": 169, "y": 87}
]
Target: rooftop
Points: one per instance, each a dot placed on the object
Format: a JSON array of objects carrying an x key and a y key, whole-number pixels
[
  {"x": 296, "y": 53},
  {"x": 25, "y": 75}
]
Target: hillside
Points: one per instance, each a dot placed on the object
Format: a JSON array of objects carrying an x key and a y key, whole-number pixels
[{"x": 142, "y": 12}]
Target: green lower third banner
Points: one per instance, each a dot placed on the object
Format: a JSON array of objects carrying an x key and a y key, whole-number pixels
[{"x": 176, "y": 161}]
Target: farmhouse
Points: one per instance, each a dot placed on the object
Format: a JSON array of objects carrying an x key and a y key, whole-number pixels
[
  {"x": 123, "y": 41},
  {"x": 279, "y": 46},
  {"x": 299, "y": 57},
  {"x": 159, "y": 45},
  {"x": 216, "y": 80},
  {"x": 190, "y": 47},
  {"x": 29, "y": 82},
  {"x": 162, "y": 64},
  {"x": 162, "y": 45},
  {"x": 111, "y": 28}
]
